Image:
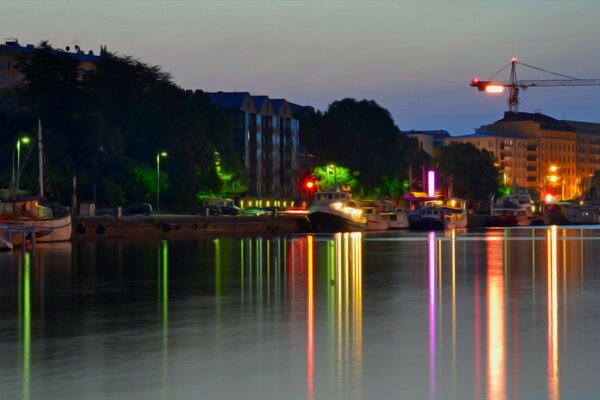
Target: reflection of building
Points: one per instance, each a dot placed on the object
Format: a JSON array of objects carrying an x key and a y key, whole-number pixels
[
  {"x": 10, "y": 76},
  {"x": 526, "y": 146},
  {"x": 265, "y": 134}
]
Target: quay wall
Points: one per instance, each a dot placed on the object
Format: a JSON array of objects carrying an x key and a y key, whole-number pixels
[{"x": 185, "y": 226}]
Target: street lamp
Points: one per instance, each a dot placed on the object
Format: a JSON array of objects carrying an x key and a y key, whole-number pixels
[
  {"x": 158, "y": 156},
  {"x": 24, "y": 140}
]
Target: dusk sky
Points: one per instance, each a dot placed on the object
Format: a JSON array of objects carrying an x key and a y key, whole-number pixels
[{"x": 414, "y": 58}]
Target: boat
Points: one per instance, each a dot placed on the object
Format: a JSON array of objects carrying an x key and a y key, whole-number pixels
[
  {"x": 381, "y": 215},
  {"x": 514, "y": 210},
  {"x": 439, "y": 215},
  {"x": 586, "y": 213},
  {"x": 335, "y": 211},
  {"x": 49, "y": 222}
]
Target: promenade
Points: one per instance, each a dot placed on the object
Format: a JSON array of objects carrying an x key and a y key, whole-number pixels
[{"x": 178, "y": 225}]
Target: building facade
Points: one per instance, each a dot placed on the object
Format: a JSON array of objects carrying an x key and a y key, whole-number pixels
[
  {"x": 538, "y": 152},
  {"x": 11, "y": 77},
  {"x": 266, "y": 135}
]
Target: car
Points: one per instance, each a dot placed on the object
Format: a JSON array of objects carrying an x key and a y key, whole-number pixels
[
  {"x": 138, "y": 209},
  {"x": 230, "y": 210},
  {"x": 254, "y": 211},
  {"x": 209, "y": 210}
]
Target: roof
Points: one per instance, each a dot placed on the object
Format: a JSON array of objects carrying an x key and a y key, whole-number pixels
[
  {"x": 545, "y": 121},
  {"x": 229, "y": 100},
  {"x": 14, "y": 47},
  {"x": 439, "y": 132},
  {"x": 277, "y": 104},
  {"x": 592, "y": 128},
  {"x": 259, "y": 101}
]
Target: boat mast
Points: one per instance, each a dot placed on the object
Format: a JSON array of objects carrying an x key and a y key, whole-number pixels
[{"x": 40, "y": 160}]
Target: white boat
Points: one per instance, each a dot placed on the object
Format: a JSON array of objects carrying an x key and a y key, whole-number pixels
[
  {"x": 51, "y": 223},
  {"x": 336, "y": 212},
  {"x": 381, "y": 215},
  {"x": 587, "y": 213},
  {"x": 514, "y": 210},
  {"x": 437, "y": 215}
]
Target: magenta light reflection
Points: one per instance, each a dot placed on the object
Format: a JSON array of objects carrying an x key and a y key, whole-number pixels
[
  {"x": 431, "y": 183},
  {"x": 432, "y": 316}
]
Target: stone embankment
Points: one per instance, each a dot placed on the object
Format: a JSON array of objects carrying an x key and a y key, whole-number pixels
[{"x": 173, "y": 225}]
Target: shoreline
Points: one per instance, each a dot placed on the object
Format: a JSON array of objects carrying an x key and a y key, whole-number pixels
[{"x": 177, "y": 225}]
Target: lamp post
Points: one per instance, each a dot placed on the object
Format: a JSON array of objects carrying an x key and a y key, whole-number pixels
[
  {"x": 158, "y": 156},
  {"x": 20, "y": 140}
]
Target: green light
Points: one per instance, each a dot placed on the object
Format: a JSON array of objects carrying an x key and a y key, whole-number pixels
[
  {"x": 164, "y": 297},
  {"x": 217, "y": 243},
  {"x": 26, "y": 328},
  {"x": 24, "y": 140}
]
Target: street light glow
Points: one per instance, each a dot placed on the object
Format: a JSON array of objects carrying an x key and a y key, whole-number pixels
[{"x": 24, "y": 140}]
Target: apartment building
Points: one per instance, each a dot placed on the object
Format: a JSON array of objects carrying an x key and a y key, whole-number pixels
[
  {"x": 266, "y": 135},
  {"x": 10, "y": 76},
  {"x": 538, "y": 152}
]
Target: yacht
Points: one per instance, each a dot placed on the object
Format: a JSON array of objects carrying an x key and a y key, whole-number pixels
[
  {"x": 51, "y": 223},
  {"x": 586, "y": 213},
  {"x": 514, "y": 210},
  {"x": 336, "y": 212},
  {"x": 382, "y": 215},
  {"x": 437, "y": 215}
]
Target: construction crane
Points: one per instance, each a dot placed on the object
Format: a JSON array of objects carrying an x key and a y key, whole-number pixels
[{"x": 491, "y": 86}]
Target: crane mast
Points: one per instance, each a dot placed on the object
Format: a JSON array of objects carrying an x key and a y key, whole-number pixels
[{"x": 514, "y": 85}]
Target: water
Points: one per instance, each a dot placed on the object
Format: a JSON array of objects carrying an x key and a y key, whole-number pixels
[{"x": 494, "y": 314}]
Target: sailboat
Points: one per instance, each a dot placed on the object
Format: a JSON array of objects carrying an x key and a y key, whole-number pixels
[{"x": 51, "y": 222}]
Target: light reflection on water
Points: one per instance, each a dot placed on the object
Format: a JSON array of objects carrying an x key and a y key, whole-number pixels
[{"x": 496, "y": 314}]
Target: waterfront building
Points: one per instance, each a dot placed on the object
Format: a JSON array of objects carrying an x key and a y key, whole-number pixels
[
  {"x": 266, "y": 137},
  {"x": 538, "y": 152},
  {"x": 11, "y": 77},
  {"x": 428, "y": 140}
]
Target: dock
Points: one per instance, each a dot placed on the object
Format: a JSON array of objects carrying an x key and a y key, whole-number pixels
[{"x": 177, "y": 225}]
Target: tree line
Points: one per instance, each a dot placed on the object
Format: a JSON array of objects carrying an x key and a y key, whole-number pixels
[{"x": 107, "y": 125}]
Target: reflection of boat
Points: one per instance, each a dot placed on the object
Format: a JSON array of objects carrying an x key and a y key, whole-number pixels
[
  {"x": 381, "y": 215},
  {"x": 514, "y": 210},
  {"x": 437, "y": 215},
  {"x": 51, "y": 223},
  {"x": 335, "y": 212}
]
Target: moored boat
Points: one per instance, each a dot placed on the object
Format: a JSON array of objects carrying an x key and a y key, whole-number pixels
[
  {"x": 587, "y": 213},
  {"x": 437, "y": 215},
  {"x": 51, "y": 223},
  {"x": 381, "y": 215},
  {"x": 514, "y": 210},
  {"x": 336, "y": 212}
]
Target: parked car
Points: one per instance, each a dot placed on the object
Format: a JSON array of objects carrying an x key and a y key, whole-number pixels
[
  {"x": 254, "y": 211},
  {"x": 230, "y": 210},
  {"x": 138, "y": 209},
  {"x": 209, "y": 210}
]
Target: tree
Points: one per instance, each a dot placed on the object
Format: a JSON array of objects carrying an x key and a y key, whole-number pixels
[
  {"x": 472, "y": 171},
  {"x": 362, "y": 136}
]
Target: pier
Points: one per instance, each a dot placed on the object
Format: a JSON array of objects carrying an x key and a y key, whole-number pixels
[{"x": 175, "y": 225}]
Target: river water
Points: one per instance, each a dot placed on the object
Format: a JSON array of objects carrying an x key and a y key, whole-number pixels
[{"x": 491, "y": 314}]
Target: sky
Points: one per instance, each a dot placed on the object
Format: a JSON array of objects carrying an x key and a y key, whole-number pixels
[{"x": 413, "y": 57}]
